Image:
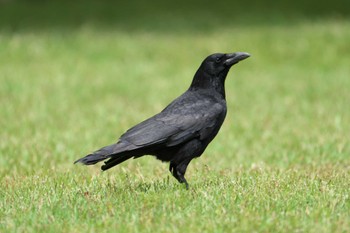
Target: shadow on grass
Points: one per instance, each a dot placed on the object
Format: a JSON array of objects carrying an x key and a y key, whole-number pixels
[{"x": 162, "y": 16}]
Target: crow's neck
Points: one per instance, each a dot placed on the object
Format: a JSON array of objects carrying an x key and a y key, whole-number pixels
[{"x": 204, "y": 81}]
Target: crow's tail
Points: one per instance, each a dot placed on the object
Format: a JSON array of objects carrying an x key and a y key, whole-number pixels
[
  {"x": 115, "y": 160},
  {"x": 102, "y": 154},
  {"x": 116, "y": 153}
]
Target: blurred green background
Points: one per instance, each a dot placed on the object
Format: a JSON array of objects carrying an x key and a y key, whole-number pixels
[
  {"x": 164, "y": 16},
  {"x": 74, "y": 75}
]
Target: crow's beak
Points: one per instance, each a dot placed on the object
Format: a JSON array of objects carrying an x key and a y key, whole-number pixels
[{"x": 233, "y": 58}]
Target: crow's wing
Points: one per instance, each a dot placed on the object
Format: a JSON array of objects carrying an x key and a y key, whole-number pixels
[{"x": 183, "y": 119}]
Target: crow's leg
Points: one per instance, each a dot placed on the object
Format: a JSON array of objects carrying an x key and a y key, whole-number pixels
[
  {"x": 183, "y": 157},
  {"x": 172, "y": 169},
  {"x": 179, "y": 170}
]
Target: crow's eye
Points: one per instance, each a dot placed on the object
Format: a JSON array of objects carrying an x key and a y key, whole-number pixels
[{"x": 218, "y": 59}]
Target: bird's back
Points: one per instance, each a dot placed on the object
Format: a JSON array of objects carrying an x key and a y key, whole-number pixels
[{"x": 192, "y": 115}]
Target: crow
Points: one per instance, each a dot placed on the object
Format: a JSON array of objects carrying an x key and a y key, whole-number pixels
[{"x": 181, "y": 131}]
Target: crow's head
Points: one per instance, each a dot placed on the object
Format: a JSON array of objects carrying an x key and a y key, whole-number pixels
[
  {"x": 213, "y": 71},
  {"x": 219, "y": 64}
]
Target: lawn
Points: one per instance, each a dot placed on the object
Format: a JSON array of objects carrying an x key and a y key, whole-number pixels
[{"x": 75, "y": 75}]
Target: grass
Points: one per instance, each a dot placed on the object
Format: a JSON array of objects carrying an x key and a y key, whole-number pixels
[{"x": 75, "y": 76}]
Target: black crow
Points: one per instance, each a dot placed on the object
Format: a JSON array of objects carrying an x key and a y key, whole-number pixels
[{"x": 184, "y": 128}]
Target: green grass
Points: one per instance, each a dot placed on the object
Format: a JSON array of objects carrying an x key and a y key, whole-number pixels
[{"x": 74, "y": 76}]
